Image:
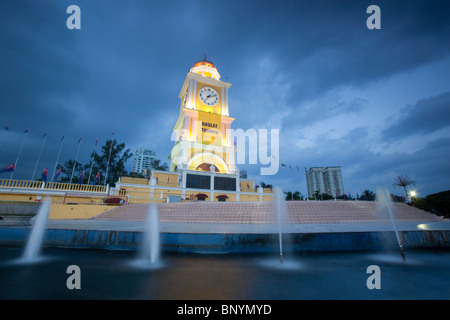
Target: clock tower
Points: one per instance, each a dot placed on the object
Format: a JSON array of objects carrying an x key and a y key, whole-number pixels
[{"x": 202, "y": 142}]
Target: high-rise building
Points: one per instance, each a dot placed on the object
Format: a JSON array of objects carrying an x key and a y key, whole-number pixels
[
  {"x": 143, "y": 160},
  {"x": 324, "y": 180}
]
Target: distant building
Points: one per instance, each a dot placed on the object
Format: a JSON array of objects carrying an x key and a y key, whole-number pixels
[
  {"x": 143, "y": 160},
  {"x": 325, "y": 180}
]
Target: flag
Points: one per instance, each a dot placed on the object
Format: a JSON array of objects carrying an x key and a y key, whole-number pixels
[
  {"x": 57, "y": 173},
  {"x": 290, "y": 167},
  {"x": 357, "y": 195},
  {"x": 298, "y": 169},
  {"x": 80, "y": 180},
  {"x": 9, "y": 168},
  {"x": 96, "y": 142},
  {"x": 283, "y": 165},
  {"x": 45, "y": 134},
  {"x": 44, "y": 175},
  {"x": 96, "y": 177},
  {"x": 62, "y": 139}
]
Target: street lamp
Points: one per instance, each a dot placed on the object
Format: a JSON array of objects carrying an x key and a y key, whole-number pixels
[{"x": 412, "y": 195}]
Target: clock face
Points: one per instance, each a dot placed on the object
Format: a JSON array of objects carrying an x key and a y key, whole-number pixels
[{"x": 209, "y": 96}]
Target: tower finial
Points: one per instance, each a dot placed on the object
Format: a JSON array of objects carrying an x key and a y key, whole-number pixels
[{"x": 204, "y": 56}]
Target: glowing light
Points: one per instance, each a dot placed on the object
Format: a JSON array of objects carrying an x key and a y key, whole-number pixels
[{"x": 413, "y": 193}]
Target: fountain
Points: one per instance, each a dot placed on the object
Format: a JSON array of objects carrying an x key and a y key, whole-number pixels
[
  {"x": 384, "y": 204},
  {"x": 279, "y": 208},
  {"x": 150, "y": 247},
  {"x": 34, "y": 243}
]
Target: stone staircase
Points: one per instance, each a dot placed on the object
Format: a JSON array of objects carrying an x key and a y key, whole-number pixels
[{"x": 261, "y": 212}]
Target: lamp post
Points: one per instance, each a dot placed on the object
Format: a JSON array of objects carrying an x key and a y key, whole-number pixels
[{"x": 412, "y": 195}]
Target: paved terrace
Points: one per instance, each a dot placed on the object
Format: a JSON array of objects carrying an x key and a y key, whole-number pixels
[{"x": 257, "y": 217}]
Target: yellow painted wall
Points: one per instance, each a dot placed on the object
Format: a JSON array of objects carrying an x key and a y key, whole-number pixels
[
  {"x": 247, "y": 185},
  {"x": 132, "y": 180},
  {"x": 248, "y": 197},
  {"x": 231, "y": 196},
  {"x": 79, "y": 211},
  {"x": 14, "y": 197},
  {"x": 193, "y": 193},
  {"x": 166, "y": 179}
]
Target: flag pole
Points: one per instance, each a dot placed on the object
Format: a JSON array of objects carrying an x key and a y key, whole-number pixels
[
  {"x": 20, "y": 151},
  {"x": 92, "y": 160},
  {"x": 57, "y": 158},
  {"x": 75, "y": 162},
  {"x": 39, "y": 156}
]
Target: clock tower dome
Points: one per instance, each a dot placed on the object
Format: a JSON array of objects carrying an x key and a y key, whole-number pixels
[{"x": 200, "y": 133}]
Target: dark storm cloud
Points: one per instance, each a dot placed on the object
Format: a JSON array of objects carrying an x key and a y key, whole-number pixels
[
  {"x": 286, "y": 60},
  {"x": 426, "y": 116}
]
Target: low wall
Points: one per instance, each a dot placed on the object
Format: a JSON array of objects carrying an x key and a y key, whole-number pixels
[
  {"x": 17, "y": 214},
  {"x": 21, "y": 213},
  {"x": 76, "y": 211},
  {"x": 19, "y": 208},
  {"x": 226, "y": 243}
]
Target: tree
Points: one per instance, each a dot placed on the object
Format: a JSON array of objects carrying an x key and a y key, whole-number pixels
[
  {"x": 264, "y": 185},
  {"x": 403, "y": 181},
  {"x": 157, "y": 164},
  {"x": 293, "y": 196},
  {"x": 367, "y": 195},
  {"x": 297, "y": 196},
  {"x": 321, "y": 196},
  {"x": 68, "y": 167},
  {"x": 436, "y": 203},
  {"x": 137, "y": 175},
  {"x": 288, "y": 195},
  {"x": 111, "y": 161}
]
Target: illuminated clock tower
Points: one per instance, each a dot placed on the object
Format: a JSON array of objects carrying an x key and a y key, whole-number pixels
[{"x": 200, "y": 133}]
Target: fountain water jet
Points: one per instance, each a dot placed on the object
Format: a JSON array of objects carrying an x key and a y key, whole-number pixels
[
  {"x": 384, "y": 203},
  {"x": 279, "y": 208},
  {"x": 150, "y": 247},
  {"x": 34, "y": 243}
]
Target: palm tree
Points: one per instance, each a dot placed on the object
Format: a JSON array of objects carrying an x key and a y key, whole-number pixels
[{"x": 403, "y": 181}]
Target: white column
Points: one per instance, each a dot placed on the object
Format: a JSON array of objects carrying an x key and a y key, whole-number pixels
[
  {"x": 194, "y": 95},
  {"x": 212, "y": 186}
]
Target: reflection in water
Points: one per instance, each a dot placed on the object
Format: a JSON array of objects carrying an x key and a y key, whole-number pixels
[{"x": 108, "y": 275}]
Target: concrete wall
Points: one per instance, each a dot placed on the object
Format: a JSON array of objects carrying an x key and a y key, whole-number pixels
[
  {"x": 224, "y": 243},
  {"x": 19, "y": 208}
]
